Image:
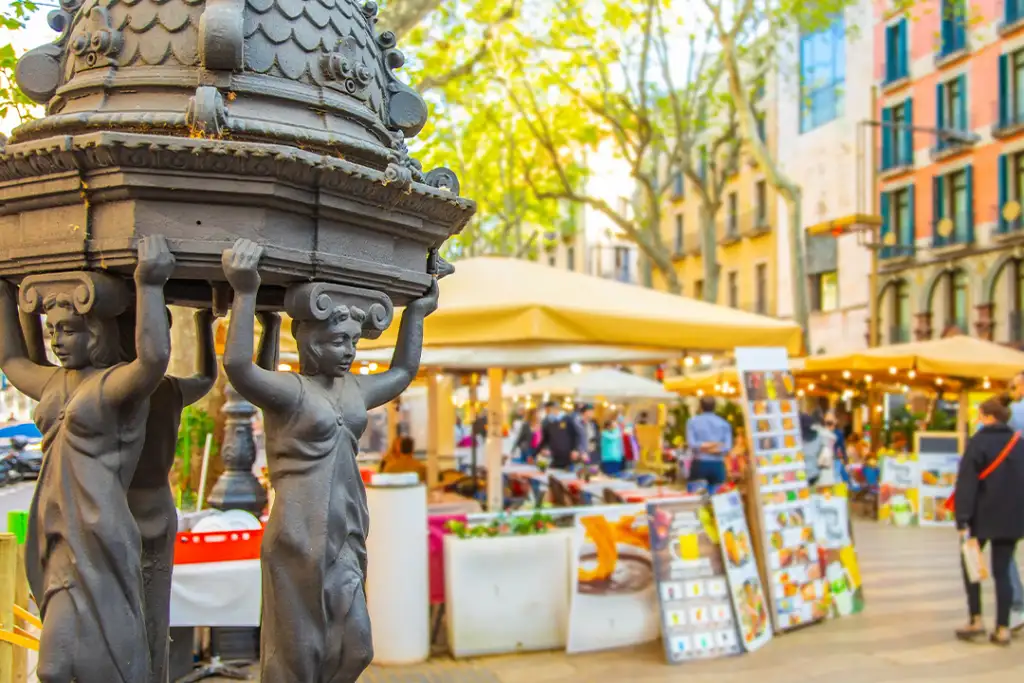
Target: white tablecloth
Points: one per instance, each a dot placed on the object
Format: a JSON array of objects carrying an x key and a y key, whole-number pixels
[{"x": 216, "y": 594}]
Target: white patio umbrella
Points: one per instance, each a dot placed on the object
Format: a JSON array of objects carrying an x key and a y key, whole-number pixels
[{"x": 591, "y": 385}]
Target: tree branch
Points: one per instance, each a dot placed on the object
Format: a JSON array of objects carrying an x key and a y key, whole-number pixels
[{"x": 479, "y": 55}]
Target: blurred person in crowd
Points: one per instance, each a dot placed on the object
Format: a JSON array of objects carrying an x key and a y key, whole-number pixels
[
  {"x": 709, "y": 439},
  {"x": 992, "y": 510},
  {"x": 1016, "y": 423},
  {"x": 528, "y": 436},
  {"x": 403, "y": 459},
  {"x": 736, "y": 460},
  {"x": 810, "y": 417},
  {"x": 559, "y": 437},
  {"x": 612, "y": 449},
  {"x": 590, "y": 440}
]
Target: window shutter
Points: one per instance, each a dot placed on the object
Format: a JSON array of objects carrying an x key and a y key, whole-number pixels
[
  {"x": 969, "y": 171},
  {"x": 940, "y": 109},
  {"x": 891, "y": 67},
  {"x": 903, "y": 56},
  {"x": 962, "y": 103},
  {"x": 1003, "y": 194},
  {"x": 908, "y": 134},
  {"x": 947, "y": 27},
  {"x": 886, "y": 219},
  {"x": 938, "y": 207},
  {"x": 1004, "y": 89},
  {"x": 910, "y": 238},
  {"x": 888, "y": 133}
]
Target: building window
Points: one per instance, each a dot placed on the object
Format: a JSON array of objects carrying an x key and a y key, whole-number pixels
[
  {"x": 953, "y": 196},
  {"x": 898, "y": 219},
  {"x": 957, "y": 300},
  {"x": 761, "y": 202},
  {"x": 761, "y": 288},
  {"x": 825, "y": 292},
  {"x": 1016, "y": 321},
  {"x": 951, "y": 98},
  {"x": 762, "y": 130},
  {"x": 1011, "y": 88},
  {"x": 822, "y": 74},
  {"x": 897, "y": 136},
  {"x": 570, "y": 258},
  {"x": 678, "y": 186},
  {"x": 1013, "y": 11},
  {"x": 953, "y": 30},
  {"x": 1011, "y": 188},
  {"x": 732, "y": 226},
  {"x": 734, "y": 289},
  {"x": 679, "y": 234},
  {"x": 896, "y": 51},
  {"x": 698, "y": 289},
  {"x": 900, "y": 331}
]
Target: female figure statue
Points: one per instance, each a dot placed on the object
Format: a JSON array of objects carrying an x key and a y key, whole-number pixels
[
  {"x": 82, "y": 554},
  {"x": 316, "y": 628}
]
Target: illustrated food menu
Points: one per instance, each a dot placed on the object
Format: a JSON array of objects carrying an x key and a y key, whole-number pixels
[
  {"x": 747, "y": 593},
  {"x": 796, "y": 589},
  {"x": 938, "y": 457},
  {"x": 693, "y": 589}
]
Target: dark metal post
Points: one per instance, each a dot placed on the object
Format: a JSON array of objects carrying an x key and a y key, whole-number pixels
[{"x": 238, "y": 488}]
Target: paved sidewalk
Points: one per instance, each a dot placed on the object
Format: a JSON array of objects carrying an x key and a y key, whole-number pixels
[{"x": 905, "y": 635}]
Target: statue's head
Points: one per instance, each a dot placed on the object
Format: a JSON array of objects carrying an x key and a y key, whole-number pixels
[
  {"x": 328, "y": 347},
  {"x": 80, "y": 341}
]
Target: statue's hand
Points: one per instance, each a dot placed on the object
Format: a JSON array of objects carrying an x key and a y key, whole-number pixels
[
  {"x": 156, "y": 262},
  {"x": 241, "y": 266},
  {"x": 427, "y": 303},
  {"x": 269, "y": 320}
]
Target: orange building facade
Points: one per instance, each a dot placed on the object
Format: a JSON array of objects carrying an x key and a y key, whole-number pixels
[{"x": 950, "y": 190}]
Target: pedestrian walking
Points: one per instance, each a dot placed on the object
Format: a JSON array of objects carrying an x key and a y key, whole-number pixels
[{"x": 990, "y": 509}]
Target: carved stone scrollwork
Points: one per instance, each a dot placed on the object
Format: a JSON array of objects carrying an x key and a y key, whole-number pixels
[
  {"x": 407, "y": 111},
  {"x": 346, "y": 71},
  {"x": 95, "y": 41},
  {"x": 315, "y": 301},
  {"x": 399, "y": 175},
  {"x": 222, "y": 35},
  {"x": 206, "y": 114},
  {"x": 99, "y": 294},
  {"x": 443, "y": 178},
  {"x": 38, "y": 72}
]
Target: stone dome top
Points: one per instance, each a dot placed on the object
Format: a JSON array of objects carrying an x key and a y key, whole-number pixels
[{"x": 310, "y": 73}]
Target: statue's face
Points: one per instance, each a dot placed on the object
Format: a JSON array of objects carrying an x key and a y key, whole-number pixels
[
  {"x": 336, "y": 347},
  {"x": 69, "y": 337}
]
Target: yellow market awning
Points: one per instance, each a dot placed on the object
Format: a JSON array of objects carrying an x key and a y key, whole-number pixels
[
  {"x": 959, "y": 357},
  {"x": 716, "y": 382},
  {"x": 493, "y": 300}
]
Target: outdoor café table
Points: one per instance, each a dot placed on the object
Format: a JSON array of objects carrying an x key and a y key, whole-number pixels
[{"x": 593, "y": 491}]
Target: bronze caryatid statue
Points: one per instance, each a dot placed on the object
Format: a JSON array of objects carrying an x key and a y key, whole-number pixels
[
  {"x": 315, "y": 623},
  {"x": 83, "y": 552}
]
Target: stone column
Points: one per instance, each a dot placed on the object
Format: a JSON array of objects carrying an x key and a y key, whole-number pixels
[
  {"x": 923, "y": 326},
  {"x": 238, "y": 488},
  {"x": 984, "y": 326}
]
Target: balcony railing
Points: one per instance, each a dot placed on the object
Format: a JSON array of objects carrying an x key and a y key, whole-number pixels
[
  {"x": 732, "y": 229},
  {"x": 962, "y": 235},
  {"x": 896, "y": 156},
  {"x": 1008, "y": 116}
]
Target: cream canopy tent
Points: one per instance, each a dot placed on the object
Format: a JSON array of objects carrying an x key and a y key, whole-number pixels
[
  {"x": 504, "y": 301},
  {"x": 593, "y": 385}
]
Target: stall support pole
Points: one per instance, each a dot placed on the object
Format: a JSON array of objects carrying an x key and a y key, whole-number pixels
[
  {"x": 495, "y": 439},
  {"x": 433, "y": 425},
  {"x": 8, "y": 591},
  {"x": 961, "y": 415},
  {"x": 21, "y": 600}
]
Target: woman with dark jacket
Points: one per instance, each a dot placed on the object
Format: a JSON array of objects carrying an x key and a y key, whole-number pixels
[{"x": 992, "y": 510}]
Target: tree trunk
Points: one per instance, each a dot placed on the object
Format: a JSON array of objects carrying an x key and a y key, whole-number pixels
[
  {"x": 709, "y": 252},
  {"x": 793, "y": 198},
  {"x": 401, "y": 16}
]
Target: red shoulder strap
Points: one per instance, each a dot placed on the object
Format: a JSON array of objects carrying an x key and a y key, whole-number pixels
[{"x": 1000, "y": 458}]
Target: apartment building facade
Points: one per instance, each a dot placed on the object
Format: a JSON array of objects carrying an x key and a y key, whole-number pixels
[
  {"x": 950, "y": 189},
  {"x": 821, "y": 97},
  {"x": 745, "y": 239}
]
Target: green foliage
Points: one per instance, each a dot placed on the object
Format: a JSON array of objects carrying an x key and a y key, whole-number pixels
[
  {"x": 732, "y": 413},
  {"x": 196, "y": 423},
  {"x": 537, "y": 523},
  {"x": 13, "y": 18},
  {"x": 675, "y": 427}
]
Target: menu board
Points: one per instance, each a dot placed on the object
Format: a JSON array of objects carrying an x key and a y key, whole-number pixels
[
  {"x": 795, "y": 586},
  {"x": 745, "y": 589},
  {"x": 938, "y": 458},
  {"x": 845, "y": 594},
  {"x": 693, "y": 589},
  {"x": 898, "y": 483}
]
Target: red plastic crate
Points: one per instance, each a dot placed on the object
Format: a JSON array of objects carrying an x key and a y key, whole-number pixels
[{"x": 217, "y": 546}]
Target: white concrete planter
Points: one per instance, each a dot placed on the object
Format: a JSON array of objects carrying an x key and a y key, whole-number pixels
[{"x": 507, "y": 594}]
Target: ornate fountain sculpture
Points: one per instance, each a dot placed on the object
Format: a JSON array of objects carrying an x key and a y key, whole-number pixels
[{"x": 280, "y": 122}]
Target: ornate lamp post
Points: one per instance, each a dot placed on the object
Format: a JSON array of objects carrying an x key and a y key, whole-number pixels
[{"x": 237, "y": 487}]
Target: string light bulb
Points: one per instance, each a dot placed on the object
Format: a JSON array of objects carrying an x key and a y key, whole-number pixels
[
  {"x": 938, "y": 380},
  {"x": 364, "y": 370},
  {"x": 575, "y": 368},
  {"x": 284, "y": 367},
  {"x": 373, "y": 367},
  {"x": 905, "y": 389},
  {"x": 986, "y": 384},
  {"x": 800, "y": 392},
  {"x": 892, "y": 371},
  {"x": 706, "y": 359},
  {"x": 688, "y": 361},
  {"x": 911, "y": 374},
  {"x": 867, "y": 379},
  {"x": 846, "y": 374}
]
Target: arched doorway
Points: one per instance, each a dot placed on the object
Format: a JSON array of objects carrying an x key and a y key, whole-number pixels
[{"x": 895, "y": 314}]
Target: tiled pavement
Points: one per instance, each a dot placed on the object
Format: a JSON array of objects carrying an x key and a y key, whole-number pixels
[{"x": 905, "y": 635}]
